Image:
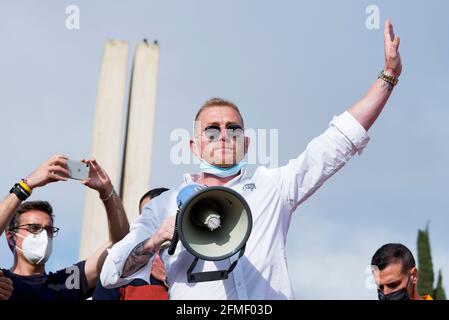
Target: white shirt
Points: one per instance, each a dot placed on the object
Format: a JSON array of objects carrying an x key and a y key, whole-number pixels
[{"x": 272, "y": 197}]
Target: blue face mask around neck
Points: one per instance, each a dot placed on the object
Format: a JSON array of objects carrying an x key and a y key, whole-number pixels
[{"x": 206, "y": 167}]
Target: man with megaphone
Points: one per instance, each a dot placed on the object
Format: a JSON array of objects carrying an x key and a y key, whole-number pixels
[{"x": 239, "y": 216}]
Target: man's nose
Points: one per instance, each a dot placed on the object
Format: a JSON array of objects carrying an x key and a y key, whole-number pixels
[
  {"x": 223, "y": 134},
  {"x": 386, "y": 291}
]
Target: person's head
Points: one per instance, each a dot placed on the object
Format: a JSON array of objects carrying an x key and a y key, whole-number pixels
[
  {"x": 30, "y": 232},
  {"x": 218, "y": 136},
  {"x": 153, "y": 193},
  {"x": 395, "y": 272}
]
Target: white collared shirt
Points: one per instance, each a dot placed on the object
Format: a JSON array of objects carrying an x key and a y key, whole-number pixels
[{"x": 272, "y": 195}]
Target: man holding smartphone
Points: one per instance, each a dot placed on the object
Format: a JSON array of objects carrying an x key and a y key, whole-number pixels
[{"x": 30, "y": 233}]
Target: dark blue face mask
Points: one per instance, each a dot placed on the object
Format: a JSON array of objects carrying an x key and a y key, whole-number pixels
[{"x": 401, "y": 294}]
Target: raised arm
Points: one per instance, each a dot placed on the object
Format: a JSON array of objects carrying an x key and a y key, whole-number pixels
[
  {"x": 345, "y": 137},
  {"x": 52, "y": 170},
  {"x": 370, "y": 106},
  {"x": 117, "y": 220}
]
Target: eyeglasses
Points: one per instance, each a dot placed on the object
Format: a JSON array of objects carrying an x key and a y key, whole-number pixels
[
  {"x": 213, "y": 133},
  {"x": 36, "y": 228}
]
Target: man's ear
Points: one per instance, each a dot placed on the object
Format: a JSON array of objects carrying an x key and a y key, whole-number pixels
[
  {"x": 194, "y": 148},
  {"x": 247, "y": 141},
  {"x": 414, "y": 273},
  {"x": 11, "y": 240},
  {"x": 376, "y": 274}
]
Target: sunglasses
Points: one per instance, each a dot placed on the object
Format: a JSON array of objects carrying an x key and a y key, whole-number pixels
[
  {"x": 213, "y": 133},
  {"x": 36, "y": 228}
]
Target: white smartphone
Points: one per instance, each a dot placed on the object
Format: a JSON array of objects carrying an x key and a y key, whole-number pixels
[{"x": 77, "y": 170}]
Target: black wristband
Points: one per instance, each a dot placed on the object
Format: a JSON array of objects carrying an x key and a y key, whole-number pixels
[{"x": 19, "y": 192}]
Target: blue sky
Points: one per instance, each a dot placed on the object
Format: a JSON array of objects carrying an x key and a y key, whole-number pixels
[{"x": 289, "y": 65}]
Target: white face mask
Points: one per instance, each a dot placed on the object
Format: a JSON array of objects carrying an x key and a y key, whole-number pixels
[{"x": 36, "y": 247}]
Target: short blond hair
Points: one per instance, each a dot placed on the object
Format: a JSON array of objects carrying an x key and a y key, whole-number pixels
[{"x": 219, "y": 102}]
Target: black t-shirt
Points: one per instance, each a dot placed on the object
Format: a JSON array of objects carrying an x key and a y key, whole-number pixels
[{"x": 65, "y": 284}]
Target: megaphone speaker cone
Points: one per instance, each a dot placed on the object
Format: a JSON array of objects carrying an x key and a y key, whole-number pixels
[{"x": 215, "y": 223}]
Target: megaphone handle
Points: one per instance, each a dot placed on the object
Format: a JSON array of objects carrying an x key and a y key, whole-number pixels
[
  {"x": 174, "y": 242},
  {"x": 211, "y": 275}
]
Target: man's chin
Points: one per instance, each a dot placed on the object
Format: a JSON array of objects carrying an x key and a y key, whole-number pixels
[{"x": 223, "y": 164}]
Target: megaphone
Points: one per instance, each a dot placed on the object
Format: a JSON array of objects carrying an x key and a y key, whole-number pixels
[{"x": 213, "y": 223}]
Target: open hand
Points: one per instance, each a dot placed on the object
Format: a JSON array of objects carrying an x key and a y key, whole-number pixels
[
  {"x": 393, "y": 65},
  {"x": 98, "y": 179}
]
